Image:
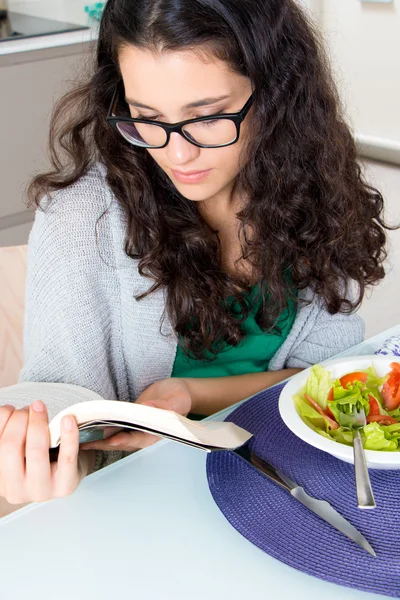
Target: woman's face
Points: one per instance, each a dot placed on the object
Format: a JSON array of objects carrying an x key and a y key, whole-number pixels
[{"x": 160, "y": 86}]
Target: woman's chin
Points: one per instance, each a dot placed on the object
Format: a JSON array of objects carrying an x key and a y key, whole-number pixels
[{"x": 196, "y": 193}]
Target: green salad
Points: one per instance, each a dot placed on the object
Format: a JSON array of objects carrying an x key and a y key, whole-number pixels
[{"x": 334, "y": 408}]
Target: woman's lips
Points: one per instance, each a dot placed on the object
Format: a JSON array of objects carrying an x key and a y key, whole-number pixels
[{"x": 190, "y": 176}]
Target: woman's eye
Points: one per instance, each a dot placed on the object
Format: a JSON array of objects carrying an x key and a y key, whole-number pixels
[
  {"x": 210, "y": 123},
  {"x": 147, "y": 118}
]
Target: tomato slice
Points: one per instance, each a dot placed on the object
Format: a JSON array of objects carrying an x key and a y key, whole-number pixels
[
  {"x": 352, "y": 377},
  {"x": 391, "y": 389},
  {"x": 381, "y": 419},
  {"x": 330, "y": 398},
  {"x": 387, "y": 397},
  {"x": 329, "y": 412},
  {"x": 332, "y": 422},
  {"x": 374, "y": 408}
]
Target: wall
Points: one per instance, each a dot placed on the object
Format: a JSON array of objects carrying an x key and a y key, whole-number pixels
[
  {"x": 364, "y": 43},
  {"x": 71, "y": 11},
  {"x": 363, "y": 40},
  {"x": 380, "y": 309}
]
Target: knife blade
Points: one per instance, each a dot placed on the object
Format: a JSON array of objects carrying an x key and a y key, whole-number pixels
[{"x": 321, "y": 508}]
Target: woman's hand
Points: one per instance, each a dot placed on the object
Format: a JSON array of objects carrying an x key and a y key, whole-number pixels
[
  {"x": 26, "y": 473},
  {"x": 170, "y": 394}
]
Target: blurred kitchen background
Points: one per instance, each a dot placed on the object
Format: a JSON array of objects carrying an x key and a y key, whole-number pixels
[{"x": 44, "y": 44}]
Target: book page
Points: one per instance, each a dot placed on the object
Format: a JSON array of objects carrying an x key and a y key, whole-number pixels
[
  {"x": 56, "y": 396},
  {"x": 163, "y": 422}
]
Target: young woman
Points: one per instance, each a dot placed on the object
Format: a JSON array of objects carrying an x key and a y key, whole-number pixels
[{"x": 206, "y": 230}]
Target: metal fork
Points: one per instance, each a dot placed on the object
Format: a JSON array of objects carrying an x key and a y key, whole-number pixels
[{"x": 365, "y": 496}]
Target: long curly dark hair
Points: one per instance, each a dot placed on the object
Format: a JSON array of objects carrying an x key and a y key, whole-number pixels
[{"x": 310, "y": 220}]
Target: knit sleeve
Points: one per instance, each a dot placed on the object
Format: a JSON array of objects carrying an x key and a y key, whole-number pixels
[
  {"x": 72, "y": 330},
  {"x": 330, "y": 335},
  {"x": 317, "y": 335},
  {"x": 68, "y": 335}
]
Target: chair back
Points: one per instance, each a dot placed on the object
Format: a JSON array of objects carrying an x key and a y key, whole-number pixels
[{"x": 12, "y": 306}]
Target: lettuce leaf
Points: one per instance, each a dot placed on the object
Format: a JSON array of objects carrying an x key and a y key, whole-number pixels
[
  {"x": 375, "y": 438},
  {"x": 347, "y": 401},
  {"x": 317, "y": 423},
  {"x": 392, "y": 432},
  {"x": 393, "y": 413},
  {"x": 342, "y": 435},
  {"x": 373, "y": 381},
  {"x": 309, "y": 415},
  {"x": 318, "y": 385}
]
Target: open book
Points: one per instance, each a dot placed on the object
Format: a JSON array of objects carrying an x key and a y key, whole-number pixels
[{"x": 99, "y": 419}]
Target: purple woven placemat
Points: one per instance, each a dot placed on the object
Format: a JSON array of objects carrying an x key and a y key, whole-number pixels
[{"x": 273, "y": 520}]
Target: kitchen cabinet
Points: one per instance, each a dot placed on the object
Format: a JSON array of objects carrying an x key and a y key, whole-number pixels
[
  {"x": 34, "y": 74},
  {"x": 28, "y": 91}
]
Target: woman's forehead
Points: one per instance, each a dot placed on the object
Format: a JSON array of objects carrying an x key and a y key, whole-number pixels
[{"x": 187, "y": 75}]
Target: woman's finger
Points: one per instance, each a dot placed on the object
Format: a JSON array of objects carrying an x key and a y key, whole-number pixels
[
  {"x": 38, "y": 473},
  {"x": 5, "y": 413},
  {"x": 66, "y": 472},
  {"x": 127, "y": 441},
  {"x": 12, "y": 457},
  {"x": 170, "y": 394}
]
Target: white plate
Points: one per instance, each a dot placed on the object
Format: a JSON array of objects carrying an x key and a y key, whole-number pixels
[{"x": 338, "y": 367}]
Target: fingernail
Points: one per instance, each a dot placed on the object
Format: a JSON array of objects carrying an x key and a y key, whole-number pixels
[
  {"x": 67, "y": 423},
  {"x": 38, "y": 406}
]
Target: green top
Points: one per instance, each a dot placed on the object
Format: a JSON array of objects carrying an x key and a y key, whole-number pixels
[{"x": 253, "y": 353}]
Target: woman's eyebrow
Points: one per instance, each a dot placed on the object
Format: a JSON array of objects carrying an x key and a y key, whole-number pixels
[{"x": 196, "y": 104}]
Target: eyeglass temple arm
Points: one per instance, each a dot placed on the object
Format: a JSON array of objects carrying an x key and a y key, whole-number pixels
[
  {"x": 247, "y": 106},
  {"x": 113, "y": 100}
]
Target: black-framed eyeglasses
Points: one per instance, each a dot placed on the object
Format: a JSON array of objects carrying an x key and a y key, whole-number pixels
[{"x": 213, "y": 131}]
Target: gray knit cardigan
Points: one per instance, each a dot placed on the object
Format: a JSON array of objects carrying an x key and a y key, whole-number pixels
[{"x": 82, "y": 322}]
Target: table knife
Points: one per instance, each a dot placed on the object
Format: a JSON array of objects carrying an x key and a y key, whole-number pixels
[{"x": 322, "y": 508}]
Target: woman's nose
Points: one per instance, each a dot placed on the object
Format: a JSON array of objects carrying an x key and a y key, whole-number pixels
[{"x": 180, "y": 151}]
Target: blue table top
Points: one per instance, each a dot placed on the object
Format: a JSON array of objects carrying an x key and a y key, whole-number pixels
[{"x": 147, "y": 527}]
